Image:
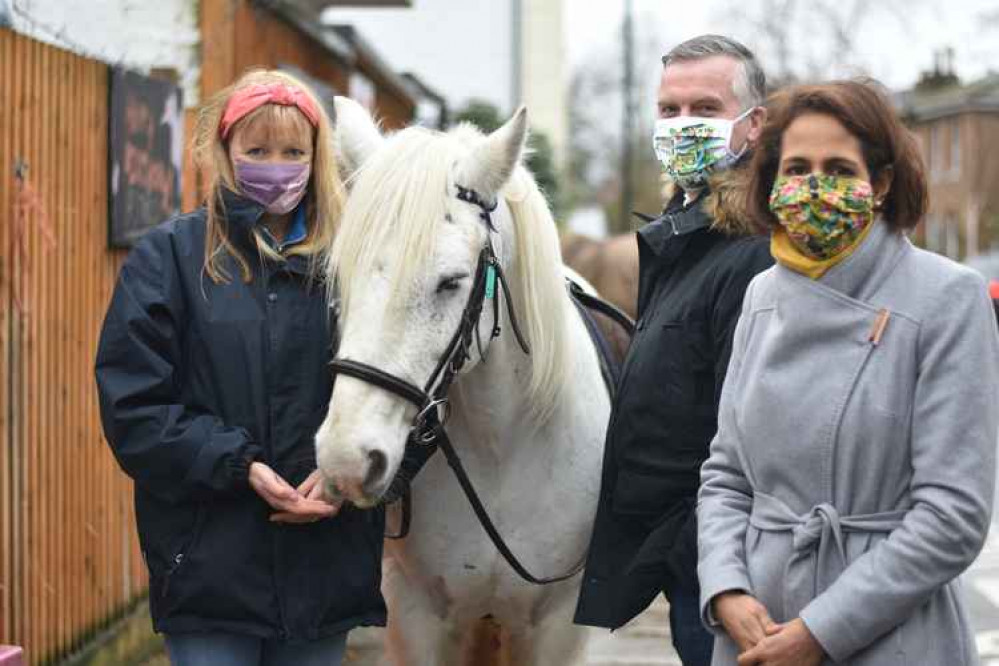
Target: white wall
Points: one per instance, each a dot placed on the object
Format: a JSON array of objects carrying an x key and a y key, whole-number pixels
[
  {"x": 139, "y": 34},
  {"x": 544, "y": 81}
]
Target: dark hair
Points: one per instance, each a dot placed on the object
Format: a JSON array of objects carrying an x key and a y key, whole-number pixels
[
  {"x": 865, "y": 111},
  {"x": 750, "y": 89}
]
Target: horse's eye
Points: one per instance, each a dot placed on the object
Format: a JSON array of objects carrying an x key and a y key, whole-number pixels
[{"x": 448, "y": 284}]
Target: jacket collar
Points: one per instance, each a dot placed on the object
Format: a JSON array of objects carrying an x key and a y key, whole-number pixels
[
  {"x": 241, "y": 216},
  {"x": 676, "y": 220},
  {"x": 861, "y": 274}
]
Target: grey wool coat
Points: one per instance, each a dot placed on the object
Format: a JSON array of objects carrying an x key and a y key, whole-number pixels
[{"x": 851, "y": 478}]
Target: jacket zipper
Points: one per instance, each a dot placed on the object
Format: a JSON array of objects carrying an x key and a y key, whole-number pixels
[
  {"x": 177, "y": 561},
  {"x": 268, "y": 276}
]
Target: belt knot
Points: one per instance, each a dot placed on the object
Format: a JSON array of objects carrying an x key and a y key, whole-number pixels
[{"x": 818, "y": 525}]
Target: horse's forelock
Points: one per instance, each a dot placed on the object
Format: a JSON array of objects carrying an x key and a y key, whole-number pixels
[
  {"x": 399, "y": 198},
  {"x": 396, "y": 200}
]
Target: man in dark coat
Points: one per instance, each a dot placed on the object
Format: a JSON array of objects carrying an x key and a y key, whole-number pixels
[{"x": 695, "y": 262}]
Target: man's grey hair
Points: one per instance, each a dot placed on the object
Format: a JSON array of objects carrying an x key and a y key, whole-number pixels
[{"x": 750, "y": 87}]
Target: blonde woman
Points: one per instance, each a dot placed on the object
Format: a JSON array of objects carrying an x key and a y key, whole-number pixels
[{"x": 212, "y": 374}]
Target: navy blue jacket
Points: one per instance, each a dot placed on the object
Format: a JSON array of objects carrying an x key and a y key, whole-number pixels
[{"x": 196, "y": 379}]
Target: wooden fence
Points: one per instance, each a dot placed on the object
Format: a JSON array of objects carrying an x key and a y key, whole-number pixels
[{"x": 69, "y": 559}]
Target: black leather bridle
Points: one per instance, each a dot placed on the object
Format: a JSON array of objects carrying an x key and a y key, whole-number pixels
[{"x": 432, "y": 406}]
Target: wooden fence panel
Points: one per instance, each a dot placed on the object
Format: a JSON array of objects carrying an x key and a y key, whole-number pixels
[{"x": 69, "y": 559}]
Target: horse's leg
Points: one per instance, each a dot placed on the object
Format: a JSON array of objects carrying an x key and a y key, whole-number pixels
[
  {"x": 420, "y": 631},
  {"x": 553, "y": 641}
]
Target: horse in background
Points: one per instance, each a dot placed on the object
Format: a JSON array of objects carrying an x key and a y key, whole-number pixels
[
  {"x": 609, "y": 264},
  {"x": 530, "y": 429}
]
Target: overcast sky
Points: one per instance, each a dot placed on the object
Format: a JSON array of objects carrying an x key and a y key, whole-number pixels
[
  {"x": 462, "y": 47},
  {"x": 894, "y": 48}
]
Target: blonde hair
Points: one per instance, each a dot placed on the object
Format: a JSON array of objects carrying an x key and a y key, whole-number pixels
[
  {"x": 399, "y": 199},
  {"x": 324, "y": 198}
]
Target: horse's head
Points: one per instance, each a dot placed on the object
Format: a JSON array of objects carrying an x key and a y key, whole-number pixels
[{"x": 405, "y": 262}]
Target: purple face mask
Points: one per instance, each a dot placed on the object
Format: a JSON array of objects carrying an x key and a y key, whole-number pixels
[{"x": 276, "y": 187}]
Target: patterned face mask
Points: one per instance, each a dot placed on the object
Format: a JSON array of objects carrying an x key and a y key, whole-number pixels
[
  {"x": 822, "y": 214},
  {"x": 691, "y": 148}
]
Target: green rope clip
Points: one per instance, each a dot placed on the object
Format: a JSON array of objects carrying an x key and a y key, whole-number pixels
[{"x": 490, "y": 281}]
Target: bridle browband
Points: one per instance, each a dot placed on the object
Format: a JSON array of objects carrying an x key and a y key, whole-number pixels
[{"x": 431, "y": 402}]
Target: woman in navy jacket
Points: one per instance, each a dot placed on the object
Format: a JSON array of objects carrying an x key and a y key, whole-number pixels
[{"x": 213, "y": 376}]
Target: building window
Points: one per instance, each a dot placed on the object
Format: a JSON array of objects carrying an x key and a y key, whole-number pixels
[{"x": 955, "y": 149}]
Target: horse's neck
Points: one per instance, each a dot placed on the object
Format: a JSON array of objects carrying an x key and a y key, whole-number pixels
[{"x": 492, "y": 397}]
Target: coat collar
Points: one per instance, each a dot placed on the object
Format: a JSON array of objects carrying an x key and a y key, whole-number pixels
[
  {"x": 863, "y": 272},
  {"x": 241, "y": 216},
  {"x": 676, "y": 221}
]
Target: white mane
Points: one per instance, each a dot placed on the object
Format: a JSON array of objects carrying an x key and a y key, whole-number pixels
[{"x": 399, "y": 196}]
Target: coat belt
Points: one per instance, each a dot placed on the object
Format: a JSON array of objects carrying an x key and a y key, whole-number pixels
[{"x": 818, "y": 539}]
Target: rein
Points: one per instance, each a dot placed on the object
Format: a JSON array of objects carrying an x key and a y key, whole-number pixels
[{"x": 432, "y": 405}]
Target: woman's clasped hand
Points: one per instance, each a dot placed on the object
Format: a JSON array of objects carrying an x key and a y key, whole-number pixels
[{"x": 761, "y": 641}]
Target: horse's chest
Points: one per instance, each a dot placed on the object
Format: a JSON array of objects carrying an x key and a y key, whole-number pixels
[{"x": 527, "y": 502}]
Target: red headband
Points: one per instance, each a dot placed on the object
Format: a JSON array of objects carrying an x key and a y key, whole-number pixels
[{"x": 247, "y": 99}]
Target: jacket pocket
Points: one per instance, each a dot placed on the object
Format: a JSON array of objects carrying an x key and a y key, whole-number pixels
[
  {"x": 689, "y": 367},
  {"x": 184, "y": 551}
]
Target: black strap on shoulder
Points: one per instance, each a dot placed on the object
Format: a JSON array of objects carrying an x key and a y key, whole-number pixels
[{"x": 603, "y": 307}]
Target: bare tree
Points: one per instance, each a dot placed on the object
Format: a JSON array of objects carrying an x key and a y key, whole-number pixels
[
  {"x": 812, "y": 40},
  {"x": 595, "y": 107}
]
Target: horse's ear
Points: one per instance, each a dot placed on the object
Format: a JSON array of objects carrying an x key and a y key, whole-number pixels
[
  {"x": 356, "y": 136},
  {"x": 490, "y": 164}
]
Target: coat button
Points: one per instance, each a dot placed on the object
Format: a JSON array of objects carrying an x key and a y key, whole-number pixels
[{"x": 272, "y": 297}]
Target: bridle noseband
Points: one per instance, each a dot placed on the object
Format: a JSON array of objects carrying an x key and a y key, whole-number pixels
[{"x": 431, "y": 402}]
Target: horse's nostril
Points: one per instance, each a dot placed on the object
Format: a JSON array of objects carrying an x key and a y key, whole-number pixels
[{"x": 379, "y": 463}]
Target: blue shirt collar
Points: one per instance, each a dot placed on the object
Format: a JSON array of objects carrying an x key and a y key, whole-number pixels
[{"x": 297, "y": 231}]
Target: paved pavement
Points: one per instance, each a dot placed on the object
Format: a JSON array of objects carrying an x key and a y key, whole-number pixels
[{"x": 645, "y": 641}]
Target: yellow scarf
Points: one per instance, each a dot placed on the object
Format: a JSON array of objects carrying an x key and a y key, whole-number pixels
[{"x": 786, "y": 254}]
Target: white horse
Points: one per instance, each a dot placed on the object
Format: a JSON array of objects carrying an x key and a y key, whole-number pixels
[{"x": 529, "y": 428}]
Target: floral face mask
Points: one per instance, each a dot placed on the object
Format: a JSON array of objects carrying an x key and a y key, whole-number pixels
[
  {"x": 692, "y": 148},
  {"x": 822, "y": 214}
]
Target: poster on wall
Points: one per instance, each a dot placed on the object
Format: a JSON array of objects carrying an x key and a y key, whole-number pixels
[{"x": 146, "y": 148}]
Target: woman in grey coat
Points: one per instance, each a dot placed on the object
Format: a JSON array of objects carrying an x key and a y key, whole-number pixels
[{"x": 850, "y": 482}]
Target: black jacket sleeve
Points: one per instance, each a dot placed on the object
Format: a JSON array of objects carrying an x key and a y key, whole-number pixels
[
  {"x": 169, "y": 450},
  {"x": 747, "y": 258}
]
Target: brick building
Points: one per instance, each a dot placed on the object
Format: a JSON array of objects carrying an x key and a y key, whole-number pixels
[{"x": 957, "y": 127}]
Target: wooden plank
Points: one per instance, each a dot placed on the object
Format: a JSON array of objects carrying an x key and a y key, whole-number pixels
[
  {"x": 218, "y": 58},
  {"x": 18, "y": 481},
  {"x": 78, "y": 511},
  {"x": 62, "y": 258},
  {"x": 31, "y": 587},
  {"x": 6, "y": 453},
  {"x": 94, "y": 483}
]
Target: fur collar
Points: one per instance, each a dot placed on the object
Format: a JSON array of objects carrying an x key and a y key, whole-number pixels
[{"x": 726, "y": 202}]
